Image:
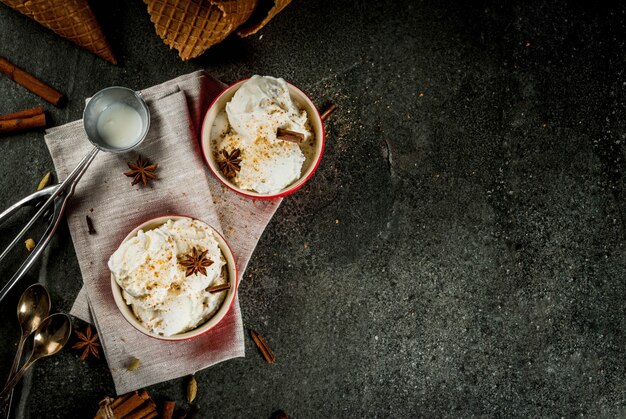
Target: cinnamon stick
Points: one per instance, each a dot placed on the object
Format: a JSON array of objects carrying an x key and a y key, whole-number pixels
[
  {"x": 263, "y": 347},
  {"x": 168, "y": 409},
  {"x": 324, "y": 116},
  {"x": 132, "y": 403},
  {"x": 20, "y": 124},
  {"x": 291, "y": 136},
  {"x": 218, "y": 288},
  {"x": 279, "y": 414},
  {"x": 121, "y": 400},
  {"x": 144, "y": 410},
  {"x": 30, "y": 82},
  {"x": 26, "y": 113}
]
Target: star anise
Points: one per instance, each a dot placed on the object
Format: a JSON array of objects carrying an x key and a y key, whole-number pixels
[
  {"x": 196, "y": 262},
  {"x": 229, "y": 165},
  {"x": 88, "y": 343},
  {"x": 142, "y": 171}
]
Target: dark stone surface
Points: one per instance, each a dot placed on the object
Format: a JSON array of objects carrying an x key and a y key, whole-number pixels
[{"x": 464, "y": 234}]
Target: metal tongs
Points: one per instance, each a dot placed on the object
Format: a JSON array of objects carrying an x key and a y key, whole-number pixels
[{"x": 55, "y": 197}]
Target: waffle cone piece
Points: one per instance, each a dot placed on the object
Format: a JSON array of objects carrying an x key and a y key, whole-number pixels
[
  {"x": 265, "y": 11},
  {"x": 193, "y": 26},
  {"x": 71, "y": 19}
]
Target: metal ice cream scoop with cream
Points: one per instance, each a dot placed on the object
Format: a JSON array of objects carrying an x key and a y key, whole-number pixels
[{"x": 116, "y": 120}]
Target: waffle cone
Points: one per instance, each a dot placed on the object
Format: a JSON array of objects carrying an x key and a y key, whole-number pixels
[
  {"x": 193, "y": 26},
  {"x": 265, "y": 11},
  {"x": 71, "y": 19}
]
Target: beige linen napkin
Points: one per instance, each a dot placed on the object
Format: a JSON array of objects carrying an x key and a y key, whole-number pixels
[{"x": 184, "y": 187}]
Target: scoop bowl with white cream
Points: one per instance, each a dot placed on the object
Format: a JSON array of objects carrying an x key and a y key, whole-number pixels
[
  {"x": 116, "y": 119},
  {"x": 154, "y": 290},
  {"x": 247, "y": 117},
  {"x": 119, "y": 125}
]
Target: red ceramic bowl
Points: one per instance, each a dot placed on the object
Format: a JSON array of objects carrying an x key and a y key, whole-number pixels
[
  {"x": 204, "y": 327},
  {"x": 303, "y": 102}
]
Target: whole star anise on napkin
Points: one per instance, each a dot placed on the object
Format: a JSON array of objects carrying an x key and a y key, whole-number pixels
[
  {"x": 88, "y": 342},
  {"x": 196, "y": 262},
  {"x": 229, "y": 165},
  {"x": 142, "y": 171}
]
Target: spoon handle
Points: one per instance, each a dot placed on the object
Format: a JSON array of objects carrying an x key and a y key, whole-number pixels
[
  {"x": 5, "y": 396},
  {"x": 16, "y": 364},
  {"x": 13, "y": 381},
  {"x": 18, "y": 356}
]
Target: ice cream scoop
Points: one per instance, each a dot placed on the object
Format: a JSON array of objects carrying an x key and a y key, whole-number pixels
[{"x": 56, "y": 197}]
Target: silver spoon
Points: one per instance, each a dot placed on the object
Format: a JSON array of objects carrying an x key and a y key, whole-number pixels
[
  {"x": 50, "y": 337},
  {"x": 32, "y": 309}
]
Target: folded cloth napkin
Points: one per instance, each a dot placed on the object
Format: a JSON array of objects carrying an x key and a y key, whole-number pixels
[{"x": 184, "y": 187}]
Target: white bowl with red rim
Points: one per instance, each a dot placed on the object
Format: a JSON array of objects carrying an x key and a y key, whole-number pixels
[
  {"x": 303, "y": 101},
  {"x": 127, "y": 312}
]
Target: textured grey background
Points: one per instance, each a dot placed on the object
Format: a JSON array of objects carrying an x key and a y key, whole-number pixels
[{"x": 460, "y": 251}]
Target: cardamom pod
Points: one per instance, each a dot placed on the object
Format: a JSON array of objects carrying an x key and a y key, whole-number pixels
[
  {"x": 45, "y": 181},
  {"x": 30, "y": 244},
  {"x": 134, "y": 364},
  {"x": 192, "y": 389}
]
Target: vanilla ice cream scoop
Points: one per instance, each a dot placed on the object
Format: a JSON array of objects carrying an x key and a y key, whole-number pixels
[
  {"x": 249, "y": 123},
  {"x": 154, "y": 283},
  {"x": 262, "y": 105}
]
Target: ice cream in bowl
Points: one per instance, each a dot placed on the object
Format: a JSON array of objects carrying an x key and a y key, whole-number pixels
[
  {"x": 173, "y": 277},
  {"x": 263, "y": 137}
]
